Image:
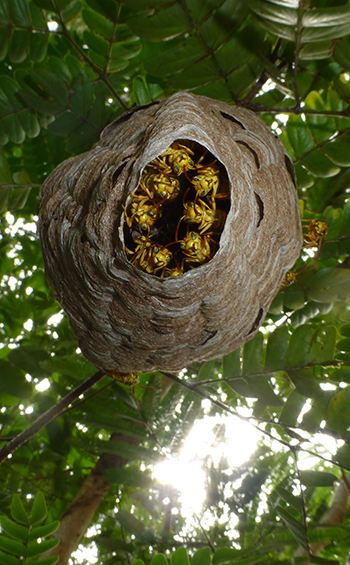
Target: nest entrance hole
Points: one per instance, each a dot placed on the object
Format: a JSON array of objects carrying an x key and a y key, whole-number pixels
[{"x": 174, "y": 220}]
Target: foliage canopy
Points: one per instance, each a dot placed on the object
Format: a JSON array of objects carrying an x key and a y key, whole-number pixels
[{"x": 68, "y": 68}]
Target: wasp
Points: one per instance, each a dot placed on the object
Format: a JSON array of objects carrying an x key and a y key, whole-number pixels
[
  {"x": 317, "y": 230},
  {"x": 150, "y": 256},
  {"x": 200, "y": 213},
  {"x": 175, "y": 272},
  {"x": 157, "y": 184},
  {"x": 176, "y": 159},
  {"x": 143, "y": 211},
  {"x": 207, "y": 181},
  {"x": 131, "y": 379},
  {"x": 290, "y": 278},
  {"x": 196, "y": 247}
]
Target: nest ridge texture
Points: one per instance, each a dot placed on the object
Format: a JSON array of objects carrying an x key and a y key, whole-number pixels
[{"x": 127, "y": 320}]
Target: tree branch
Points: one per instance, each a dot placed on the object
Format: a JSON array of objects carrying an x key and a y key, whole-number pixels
[
  {"x": 101, "y": 74},
  {"x": 49, "y": 415}
]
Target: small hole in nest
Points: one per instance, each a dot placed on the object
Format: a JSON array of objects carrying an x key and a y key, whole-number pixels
[
  {"x": 232, "y": 119},
  {"x": 117, "y": 172},
  {"x": 257, "y": 321},
  {"x": 290, "y": 169},
  {"x": 254, "y": 153},
  {"x": 174, "y": 219},
  {"x": 260, "y": 208}
]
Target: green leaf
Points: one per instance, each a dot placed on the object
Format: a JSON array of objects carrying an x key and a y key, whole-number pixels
[
  {"x": 338, "y": 413},
  {"x": 34, "y": 548},
  {"x": 316, "y": 50},
  {"x": 159, "y": 559},
  {"x": 180, "y": 557},
  {"x": 38, "y": 46},
  {"x": 318, "y": 164},
  {"x": 292, "y": 500},
  {"x": 39, "y": 510},
  {"x": 49, "y": 560},
  {"x": 14, "y": 530},
  {"x": 299, "y": 136},
  {"x": 321, "y": 127},
  {"x": 29, "y": 123},
  {"x": 292, "y": 408},
  {"x": 323, "y": 345},
  {"x": 5, "y": 178},
  {"x": 312, "y": 418},
  {"x": 261, "y": 389},
  {"x": 71, "y": 11},
  {"x": 6, "y": 559},
  {"x": 166, "y": 22},
  {"x": 18, "y": 512},
  {"x": 298, "y": 348},
  {"x": 343, "y": 456},
  {"x": 13, "y": 128},
  {"x": 330, "y": 285},
  {"x": 295, "y": 526},
  {"x": 338, "y": 151},
  {"x": 201, "y": 557},
  {"x": 43, "y": 531},
  {"x": 98, "y": 23},
  {"x": 140, "y": 91},
  {"x": 344, "y": 344},
  {"x": 345, "y": 330},
  {"x": 12, "y": 546},
  {"x": 232, "y": 364},
  {"x": 19, "y": 13},
  {"x": 130, "y": 523},
  {"x": 19, "y": 45},
  {"x": 65, "y": 123},
  {"x": 4, "y": 42},
  {"x": 252, "y": 355},
  {"x": 276, "y": 350},
  {"x": 52, "y": 84},
  {"x": 305, "y": 382},
  {"x": 206, "y": 370},
  {"x": 317, "y": 478}
]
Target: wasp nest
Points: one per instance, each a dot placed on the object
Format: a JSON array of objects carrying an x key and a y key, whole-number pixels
[{"x": 167, "y": 241}]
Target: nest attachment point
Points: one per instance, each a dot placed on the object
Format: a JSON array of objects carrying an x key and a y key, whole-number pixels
[{"x": 167, "y": 241}]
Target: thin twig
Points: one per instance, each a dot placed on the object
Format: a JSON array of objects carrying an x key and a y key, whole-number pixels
[
  {"x": 297, "y": 47},
  {"x": 294, "y": 110},
  {"x": 20, "y": 185},
  {"x": 101, "y": 75},
  {"x": 302, "y": 498},
  {"x": 49, "y": 415},
  {"x": 322, "y": 144},
  {"x": 249, "y": 419},
  {"x": 209, "y": 50},
  {"x": 209, "y": 542}
]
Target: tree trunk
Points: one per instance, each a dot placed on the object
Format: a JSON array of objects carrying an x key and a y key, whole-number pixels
[{"x": 79, "y": 514}]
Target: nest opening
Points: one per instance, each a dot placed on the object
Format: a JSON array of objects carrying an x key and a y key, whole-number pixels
[{"x": 174, "y": 220}]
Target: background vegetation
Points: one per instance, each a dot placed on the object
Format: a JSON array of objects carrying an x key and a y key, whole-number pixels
[{"x": 68, "y": 68}]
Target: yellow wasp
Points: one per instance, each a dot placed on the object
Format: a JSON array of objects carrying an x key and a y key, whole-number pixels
[
  {"x": 176, "y": 159},
  {"x": 200, "y": 213},
  {"x": 290, "y": 278},
  {"x": 317, "y": 229},
  {"x": 207, "y": 181},
  {"x": 175, "y": 272},
  {"x": 143, "y": 211},
  {"x": 157, "y": 184},
  {"x": 131, "y": 379},
  {"x": 196, "y": 247},
  {"x": 150, "y": 256}
]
